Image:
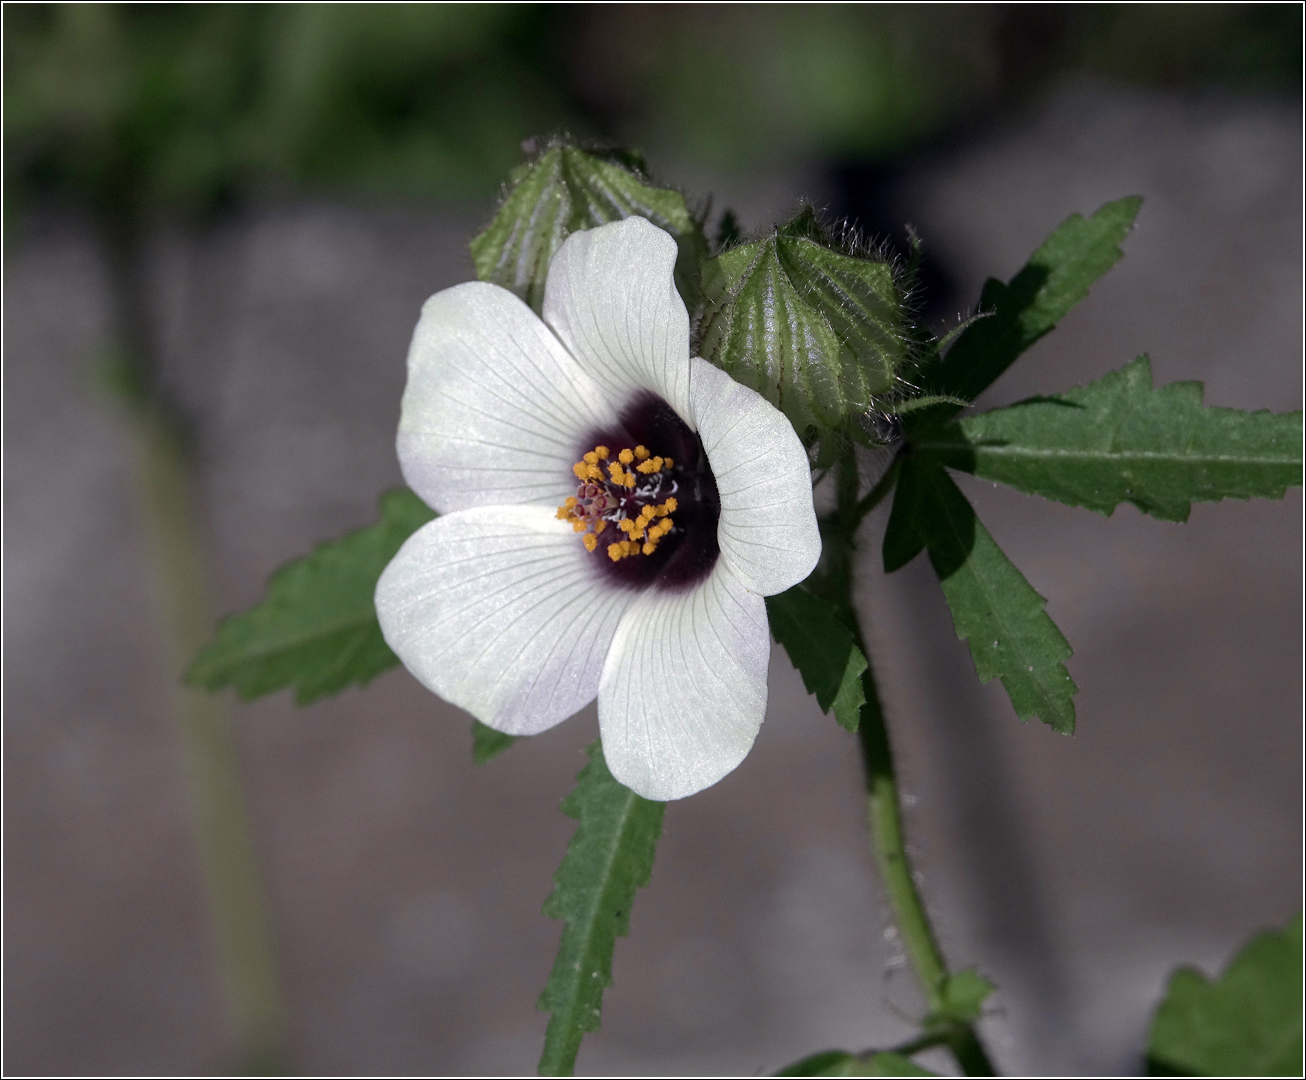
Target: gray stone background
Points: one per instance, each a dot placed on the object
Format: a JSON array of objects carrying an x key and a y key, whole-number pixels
[{"x": 406, "y": 884}]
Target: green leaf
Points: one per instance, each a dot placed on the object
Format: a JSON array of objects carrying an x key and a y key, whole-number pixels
[
  {"x": 316, "y": 629},
  {"x": 564, "y": 190},
  {"x": 842, "y": 1063},
  {"x": 488, "y": 743},
  {"x": 609, "y": 857},
  {"x": 818, "y": 333},
  {"x": 1248, "y": 1022},
  {"x": 993, "y": 606},
  {"x": 822, "y": 648},
  {"x": 1056, "y": 278},
  {"x": 1118, "y": 439}
]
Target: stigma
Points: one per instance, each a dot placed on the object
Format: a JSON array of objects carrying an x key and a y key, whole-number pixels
[{"x": 632, "y": 491}]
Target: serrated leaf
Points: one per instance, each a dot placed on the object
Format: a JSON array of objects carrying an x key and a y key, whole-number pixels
[
  {"x": 818, "y": 333},
  {"x": 1248, "y": 1022},
  {"x": 822, "y": 648},
  {"x": 488, "y": 743},
  {"x": 316, "y": 629},
  {"x": 564, "y": 190},
  {"x": 609, "y": 857},
  {"x": 1056, "y": 278},
  {"x": 993, "y": 607},
  {"x": 1119, "y": 440},
  {"x": 842, "y": 1063}
]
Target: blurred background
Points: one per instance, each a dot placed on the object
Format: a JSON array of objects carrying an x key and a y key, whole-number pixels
[{"x": 252, "y": 202}]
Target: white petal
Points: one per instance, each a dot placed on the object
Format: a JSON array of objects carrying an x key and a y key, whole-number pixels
[
  {"x": 499, "y": 610},
  {"x": 684, "y": 688},
  {"x": 611, "y": 298},
  {"x": 768, "y": 530},
  {"x": 495, "y": 409}
]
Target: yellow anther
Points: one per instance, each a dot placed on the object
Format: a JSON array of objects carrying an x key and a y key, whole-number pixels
[
  {"x": 649, "y": 548},
  {"x": 647, "y": 467},
  {"x": 595, "y": 473},
  {"x": 563, "y": 513},
  {"x": 601, "y": 452},
  {"x": 580, "y": 470},
  {"x": 615, "y": 552},
  {"x": 629, "y": 481},
  {"x": 671, "y": 505},
  {"x": 590, "y": 541},
  {"x": 641, "y": 452},
  {"x": 647, "y": 512},
  {"x": 571, "y": 501},
  {"x": 667, "y": 463},
  {"x": 615, "y": 471},
  {"x": 626, "y": 457},
  {"x": 592, "y": 457},
  {"x": 600, "y": 526},
  {"x": 625, "y": 525},
  {"x": 578, "y": 525}
]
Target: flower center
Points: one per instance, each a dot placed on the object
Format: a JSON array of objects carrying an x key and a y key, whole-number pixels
[
  {"x": 646, "y": 502},
  {"x": 634, "y": 493}
]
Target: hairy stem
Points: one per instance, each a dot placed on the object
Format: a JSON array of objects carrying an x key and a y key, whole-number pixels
[
  {"x": 884, "y": 811},
  {"x": 887, "y": 841}
]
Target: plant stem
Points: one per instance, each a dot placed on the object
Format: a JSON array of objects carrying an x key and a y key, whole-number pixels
[
  {"x": 211, "y": 756},
  {"x": 883, "y": 809},
  {"x": 210, "y": 752},
  {"x": 888, "y": 843}
]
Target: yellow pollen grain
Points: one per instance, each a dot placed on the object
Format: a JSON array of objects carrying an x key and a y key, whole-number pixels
[
  {"x": 590, "y": 541},
  {"x": 626, "y": 457},
  {"x": 642, "y": 453}
]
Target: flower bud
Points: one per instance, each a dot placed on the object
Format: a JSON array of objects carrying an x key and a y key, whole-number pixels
[
  {"x": 820, "y": 334},
  {"x": 566, "y": 189}
]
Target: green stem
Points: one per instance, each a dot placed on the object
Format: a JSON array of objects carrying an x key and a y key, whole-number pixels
[
  {"x": 890, "y": 847},
  {"x": 883, "y": 808},
  {"x": 877, "y": 494},
  {"x": 211, "y": 756},
  {"x": 210, "y": 751}
]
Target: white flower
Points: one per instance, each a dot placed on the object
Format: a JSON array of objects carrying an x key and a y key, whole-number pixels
[{"x": 612, "y": 514}]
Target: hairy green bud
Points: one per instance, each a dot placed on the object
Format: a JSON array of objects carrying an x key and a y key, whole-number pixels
[
  {"x": 820, "y": 333},
  {"x": 566, "y": 189}
]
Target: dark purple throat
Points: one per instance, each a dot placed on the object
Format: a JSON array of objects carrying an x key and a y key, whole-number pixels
[{"x": 686, "y": 555}]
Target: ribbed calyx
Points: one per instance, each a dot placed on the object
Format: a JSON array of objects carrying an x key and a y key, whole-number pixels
[
  {"x": 821, "y": 334},
  {"x": 565, "y": 189}
]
